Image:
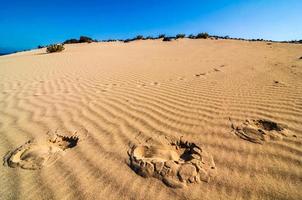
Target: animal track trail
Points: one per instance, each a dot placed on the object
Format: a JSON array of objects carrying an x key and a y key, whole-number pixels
[
  {"x": 209, "y": 72},
  {"x": 34, "y": 155}
]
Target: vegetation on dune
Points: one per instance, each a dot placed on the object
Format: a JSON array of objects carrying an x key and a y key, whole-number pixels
[
  {"x": 149, "y": 38},
  {"x": 71, "y": 41},
  {"x": 180, "y": 36},
  {"x": 161, "y": 36},
  {"x": 202, "y": 36},
  {"x": 82, "y": 39},
  {"x": 139, "y": 37},
  {"x": 191, "y": 36},
  {"x": 55, "y": 48},
  {"x": 167, "y": 39},
  {"x": 128, "y": 40}
]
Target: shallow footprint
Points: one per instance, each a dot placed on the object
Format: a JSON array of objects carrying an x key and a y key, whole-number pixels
[
  {"x": 34, "y": 155},
  {"x": 259, "y": 131},
  {"x": 177, "y": 164}
]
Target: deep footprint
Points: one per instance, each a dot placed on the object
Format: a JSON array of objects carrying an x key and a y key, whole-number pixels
[
  {"x": 177, "y": 164},
  {"x": 259, "y": 131},
  {"x": 34, "y": 155}
]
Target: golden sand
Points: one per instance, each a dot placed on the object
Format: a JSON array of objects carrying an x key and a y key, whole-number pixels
[{"x": 123, "y": 94}]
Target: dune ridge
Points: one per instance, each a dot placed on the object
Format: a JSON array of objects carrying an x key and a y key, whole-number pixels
[{"x": 117, "y": 91}]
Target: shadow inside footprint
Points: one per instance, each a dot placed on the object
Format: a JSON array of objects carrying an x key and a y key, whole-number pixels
[
  {"x": 201, "y": 74},
  {"x": 34, "y": 155},
  {"x": 177, "y": 164}
]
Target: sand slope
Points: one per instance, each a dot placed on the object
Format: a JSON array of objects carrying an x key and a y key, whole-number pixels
[{"x": 118, "y": 92}]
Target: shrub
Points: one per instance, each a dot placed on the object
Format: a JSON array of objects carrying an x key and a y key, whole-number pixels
[
  {"x": 85, "y": 39},
  {"x": 128, "y": 40},
  {"x": 55, "y": 48},
  {"x": 202, "y": 35},
  {"x": 71, "y": 41},
  {"x": 139, "y": 37},
  {"x": 167, "y": 39},
  {"x": 161, "y": 36},
  {"x": 149, "y": 38},
  {"x": 180, "y": 36},
  {"x": 191, "y": 36}
]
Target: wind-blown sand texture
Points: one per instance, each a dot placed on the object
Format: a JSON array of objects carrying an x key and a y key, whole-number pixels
[{"x": 145, "y": 90}]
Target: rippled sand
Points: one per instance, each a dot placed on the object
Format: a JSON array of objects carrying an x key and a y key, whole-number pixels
[{"x": 113, "y": 95}]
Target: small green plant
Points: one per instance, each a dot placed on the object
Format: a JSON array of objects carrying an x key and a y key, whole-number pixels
[
  {"x": 55, "y": 48},
  {"x": 202, "y": 36},
  {"x": 180, "y": 36}
]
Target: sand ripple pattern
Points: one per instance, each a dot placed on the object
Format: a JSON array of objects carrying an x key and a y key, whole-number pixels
[{"x": 117, "y": 90}]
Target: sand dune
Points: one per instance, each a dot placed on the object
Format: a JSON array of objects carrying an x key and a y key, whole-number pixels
[{"x": 124, "y": 93}]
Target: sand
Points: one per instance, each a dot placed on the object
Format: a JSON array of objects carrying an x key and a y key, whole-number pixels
[{"x": 109, "y": 97}]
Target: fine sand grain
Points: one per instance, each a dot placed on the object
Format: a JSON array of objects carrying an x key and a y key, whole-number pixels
[{"x": 238, "y": 101}]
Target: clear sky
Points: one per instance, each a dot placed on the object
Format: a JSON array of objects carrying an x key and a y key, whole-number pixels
[{"x": 27, "y": 23}]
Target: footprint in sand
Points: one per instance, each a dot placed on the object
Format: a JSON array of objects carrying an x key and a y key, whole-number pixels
[
  {"x": 35, "y": 155},
  {"x": 259, "y": 131},
  {"x": 177, "y": 164},
  {"x": 154, "y": 83},
  {"x": 141, "y": 85},
  {"x": 201, "y": 74}
]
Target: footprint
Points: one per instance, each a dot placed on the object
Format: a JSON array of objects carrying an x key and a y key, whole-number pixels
[
  {"x": 35, "y": 155},
  {"x": 154, "y": 83},
  {"x": 141, "y": 85},
  {"x": 216, "y": 70},
  {"x": 259, "y": 131},
  {"x": 201, "y": 74},
  {"x": 177, "y": 164}
]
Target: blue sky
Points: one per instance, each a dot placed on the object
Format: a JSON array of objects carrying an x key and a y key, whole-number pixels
[{"x": 27, "y": 23}]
